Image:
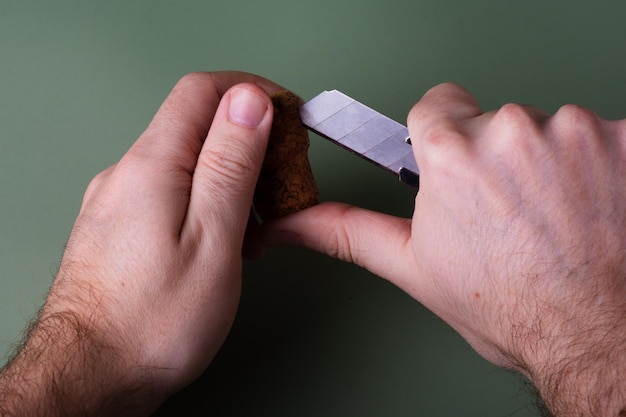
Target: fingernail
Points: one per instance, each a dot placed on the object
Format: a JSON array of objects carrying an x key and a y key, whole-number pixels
[{"x": 247, "y": 109}]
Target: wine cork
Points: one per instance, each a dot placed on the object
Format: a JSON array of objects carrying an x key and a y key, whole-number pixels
[{"x": 286, "y": 184}]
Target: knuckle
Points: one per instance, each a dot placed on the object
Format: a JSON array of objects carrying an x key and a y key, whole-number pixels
[
  {"x": 415, "y": 115},
  {"x": 188, "y": 86},
  {"x": 444, "y": 143},
  {"x": 516, "y": 126},
  {"x": 577, "y": 119},
  {"x": 578, "y": 127},
  {"x": 444, "y": 148},
  {"x": 442, "y": 133},
  {"x": 447, "y": 87},
  {"x": 419, "y": 112},
  {"x": 516, "y": 115},
  {"x": 227, "y": 165},
  {"x": 340, "y": 243},
  {"x": 193, "y": 78},
  {"x": 96, "y": 182},
  {"x": 575, "y": 112}
]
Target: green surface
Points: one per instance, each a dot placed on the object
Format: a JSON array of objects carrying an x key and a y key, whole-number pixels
[{"x": 79, "y": 80}]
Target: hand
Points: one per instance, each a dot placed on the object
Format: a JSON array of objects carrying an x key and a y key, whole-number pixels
[
  {"x": 150, "y": 280},
  {"x": 517, "y": 241}
]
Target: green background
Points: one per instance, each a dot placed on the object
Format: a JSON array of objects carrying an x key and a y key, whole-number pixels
[{"x": 79, "y": 81}]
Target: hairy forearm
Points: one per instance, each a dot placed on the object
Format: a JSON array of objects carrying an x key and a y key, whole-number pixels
[
  {"x": 576, "y": 391},
  {"x": 584, "y": 378},
  {"x": 65, "y": 369}
]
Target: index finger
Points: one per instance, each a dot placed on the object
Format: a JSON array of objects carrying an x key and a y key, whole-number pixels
[
  {"x": 437, "y": 121},
  {"x": 183, "y": 120},
  {"x": 154, "y": 177},
  {"x": 446, "y": 101}
]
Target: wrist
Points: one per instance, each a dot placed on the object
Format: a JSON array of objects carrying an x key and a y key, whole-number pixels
[
  {"x": 579, "y": 371},
  {"x": 67, "y": 368}
]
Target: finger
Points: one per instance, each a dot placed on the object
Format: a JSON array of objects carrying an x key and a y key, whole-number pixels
[
  {"x": 94, "y": 186},
  {"x": 446, "y": 101},
  {"x": 378, "y": 242},
  {"x": 188, "y": 113},
  {"x": 437, "y": 125},
  {"x": 518, "y": 117},
  {"x": 442, "y": 109},
  {"x": 229, "y": 165},
  {"x": 154, "y": 178}
]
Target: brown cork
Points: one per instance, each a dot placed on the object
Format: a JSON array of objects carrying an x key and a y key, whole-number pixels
[{"x": 286, "y": 183}]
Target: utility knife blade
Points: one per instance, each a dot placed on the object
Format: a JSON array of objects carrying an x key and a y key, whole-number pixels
[{"x": 362, "y": 131}]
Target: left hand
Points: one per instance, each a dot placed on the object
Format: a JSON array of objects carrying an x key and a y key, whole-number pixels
[{"x": 150, "y": 280}]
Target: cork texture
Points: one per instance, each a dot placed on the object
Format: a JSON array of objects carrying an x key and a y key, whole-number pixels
[{"x": 286, "y": 184}]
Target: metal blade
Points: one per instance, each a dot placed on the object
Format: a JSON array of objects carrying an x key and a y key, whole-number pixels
[{"x": 362, "y": 131}]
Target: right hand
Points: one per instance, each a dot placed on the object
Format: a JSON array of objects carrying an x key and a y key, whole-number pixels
[{"x": 517, "y": 240}]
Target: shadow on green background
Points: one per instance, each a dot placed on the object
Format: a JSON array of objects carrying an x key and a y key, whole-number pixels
[{"x": 81, "y": 79}]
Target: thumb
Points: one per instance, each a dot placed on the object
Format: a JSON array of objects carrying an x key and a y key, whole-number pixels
[
  {"x": 230, "y": 162},
  {"x": 378, "y": 242}
]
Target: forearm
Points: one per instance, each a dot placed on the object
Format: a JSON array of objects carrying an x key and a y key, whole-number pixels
[
  {"x": 66, "y": 369},
  {"x": 585, "y": 377},
  {"x": 569, "y": 392}
]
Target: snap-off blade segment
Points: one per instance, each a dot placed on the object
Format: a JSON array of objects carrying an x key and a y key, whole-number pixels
[{"x": 362, "y": 131}]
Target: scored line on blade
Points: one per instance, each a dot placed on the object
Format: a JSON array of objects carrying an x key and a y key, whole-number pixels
[{"x": 363, "y": 131}]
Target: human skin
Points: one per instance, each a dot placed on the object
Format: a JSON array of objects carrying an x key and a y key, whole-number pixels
[
  {"x": 150, "y": 280},
  {"x": 517, "y": 241}
]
